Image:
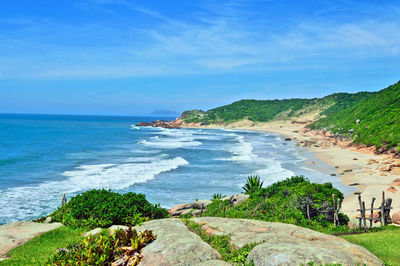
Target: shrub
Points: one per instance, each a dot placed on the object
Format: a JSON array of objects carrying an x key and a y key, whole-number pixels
[
  {"x": 103, "y": 250},
  {"x": 286, "y": 201},
  {"x": 253, "y": 184},
  {"x": 103, "y": 208}
]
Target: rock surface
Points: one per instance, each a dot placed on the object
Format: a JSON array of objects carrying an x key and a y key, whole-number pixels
[
  {"x": 93, "y": 232},
  {"x": 396, "y": 217},
  {"x": 285, "y": 244},
  {"x": 175, "y": 245},
  {"x": 15, "y": 234}
]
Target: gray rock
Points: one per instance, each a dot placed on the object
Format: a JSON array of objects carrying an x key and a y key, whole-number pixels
[
  {"x": 93, "y": 232},
  {"x": 48, "y": 220},
  {"x": 237, "y": 199},
  {"x": 15, "y": 234},
  {"x": 197, "y": 204},
  {"x": 213, "y": 263},
  {"x": 358, "y": 121},
  {"x": 286, "y": 244},
  {"x": 175, "y": 245},
  {"x": 115, "y": 227}
]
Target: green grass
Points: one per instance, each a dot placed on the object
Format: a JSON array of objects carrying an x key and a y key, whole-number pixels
[
  {"x": 222, "y": 243},
  {"x": 37, "y": 250},
  {"x": 384, "y": 244}
]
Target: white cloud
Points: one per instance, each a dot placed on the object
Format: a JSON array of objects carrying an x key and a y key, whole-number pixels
[{"x": 220, "y": 38}]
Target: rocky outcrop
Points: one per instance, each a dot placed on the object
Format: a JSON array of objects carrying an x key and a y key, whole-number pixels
[
  {"x": 278, "y": 244},
  {"x": 15, "y": 234},
  {"x": 162, "y": 123},
  {"x": 285, "y": 244},
  {"x": 195, "y": 207},
  {"x": 396, "y": 217},
  {"x": 175, "y": 245}
]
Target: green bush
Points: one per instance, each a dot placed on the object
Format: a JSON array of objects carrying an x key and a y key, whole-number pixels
[
  {"x": 103, "y": 208},
  {"x": 103, "y": 250},
  {"x": 286, "y": 201}
]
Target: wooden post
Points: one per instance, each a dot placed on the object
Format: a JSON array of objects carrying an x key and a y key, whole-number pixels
[
  {"x": 201, "y": 210},
  {"x": 383, "y": 209},
  {"x": 308, "y": 214},
  {"x": 334, "y": 210},
  {"x": 337, "y": 212},
  {"x": 283, "y": 214},
  {"x": 248, "y": 212},
  {"x": 361, "y": 212},
  {"x": 363, "y": 216},
  {"x": 372, "y": 212},
  {"x": 63, "y": 200},
  {"x": 224, "y": 211},
  {"x": 387, "y": 208}
]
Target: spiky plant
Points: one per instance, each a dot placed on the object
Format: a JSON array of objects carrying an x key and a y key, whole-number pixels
[
  {"x": 217, "y": 196},
  {"x": 253, "y": 184}
]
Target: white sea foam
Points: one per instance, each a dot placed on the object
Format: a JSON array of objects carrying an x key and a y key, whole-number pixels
[
  {"x": 135, "y": 127},
  {"x": 27, "y": 201},
  {"x": 242, "y": 151}
]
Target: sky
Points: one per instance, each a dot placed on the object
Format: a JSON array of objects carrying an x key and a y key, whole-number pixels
[{"x": 120, "y": 57}]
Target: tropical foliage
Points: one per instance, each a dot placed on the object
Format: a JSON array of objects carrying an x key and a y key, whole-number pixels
[
  {"x": 103, "y": 250},
  {"x": 253, "y": 184},
  {"x": 103, "y": 208}
]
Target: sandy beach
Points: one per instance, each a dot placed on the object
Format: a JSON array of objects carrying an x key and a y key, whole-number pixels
[{"x": 360, "y": 168}]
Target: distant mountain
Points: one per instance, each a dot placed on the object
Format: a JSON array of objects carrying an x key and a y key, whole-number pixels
[{"x": 166, "y": 113}]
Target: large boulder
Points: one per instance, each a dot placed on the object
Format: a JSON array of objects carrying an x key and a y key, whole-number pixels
[
  {"x": 17, "y": 233},
  {"x": 237, "y": 199},
  {"x": 175, "y": 245},
  {"x": 396, "y": 217},
  {"x": 285, "y": 244}
]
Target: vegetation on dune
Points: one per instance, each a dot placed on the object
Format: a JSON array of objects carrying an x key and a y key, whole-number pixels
[
  {"x": 374, "y": 121},
  {"x": 286, "y": 201},
  {"x": 268, "y": 110},
  {"x": 103, "y": 208}
]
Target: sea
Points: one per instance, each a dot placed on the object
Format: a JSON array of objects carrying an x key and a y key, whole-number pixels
[{"x": 43, "y": 157}]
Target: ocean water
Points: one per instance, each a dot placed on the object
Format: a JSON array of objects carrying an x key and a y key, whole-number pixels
[{"x": 44, "y": 156}]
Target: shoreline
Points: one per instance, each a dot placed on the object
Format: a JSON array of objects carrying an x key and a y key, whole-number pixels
[{"x": 356, "y": 167}]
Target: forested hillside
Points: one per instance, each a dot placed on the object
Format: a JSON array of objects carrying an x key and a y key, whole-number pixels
[
  {"x": 369, "y": 118},
  {"x": 372, "y": 121}
]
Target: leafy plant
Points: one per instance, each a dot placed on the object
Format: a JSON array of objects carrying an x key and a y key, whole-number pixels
[
  {"x": 253, "y": 184},
  {"x": 217, "y": 196},
  {"x": 103, "y": 208},
  {"x": 123, "y": 246}
]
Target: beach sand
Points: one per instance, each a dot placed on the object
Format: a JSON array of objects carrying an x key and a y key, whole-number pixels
[{"x": 360, "y": 168}]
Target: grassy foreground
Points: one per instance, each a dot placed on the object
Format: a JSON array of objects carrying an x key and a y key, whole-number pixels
[
  {"x": 37, "y": 250},
  {"x": 384, "y": 244}
]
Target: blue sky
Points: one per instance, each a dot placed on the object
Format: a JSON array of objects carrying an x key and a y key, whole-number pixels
[{"x": 132, "y": 57}]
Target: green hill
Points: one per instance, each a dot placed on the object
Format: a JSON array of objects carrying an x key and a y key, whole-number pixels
[
  {"x": 270, "y": 110},
  {"x": 371, "y": 118},
  {"x": 379, "y": 119}
]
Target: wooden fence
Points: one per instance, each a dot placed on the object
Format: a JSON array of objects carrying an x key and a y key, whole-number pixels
[{"x": 384, "y": 212}]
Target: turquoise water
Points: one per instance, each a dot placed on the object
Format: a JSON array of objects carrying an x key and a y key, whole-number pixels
[{"x": 44, "y": 156}]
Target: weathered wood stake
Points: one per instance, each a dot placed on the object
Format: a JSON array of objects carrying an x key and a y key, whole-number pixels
[
  {"x": 372, "y": 212},
  {"x": 308, "y": 214},
  {"x": 283, "y": 214},
  {"x": 334, "y": 210},
  {"x": 363, "y": 216},
  {"x": 224, "y": 211},
  {"x": 201, "y": 210}
]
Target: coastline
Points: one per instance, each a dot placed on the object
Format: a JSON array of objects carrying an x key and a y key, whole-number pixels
[{"x": 359, "y": 168}]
